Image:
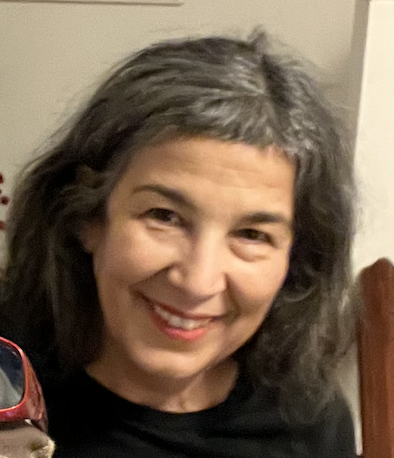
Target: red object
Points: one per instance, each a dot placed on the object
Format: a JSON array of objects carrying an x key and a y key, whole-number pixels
[
  {"x": 4, "y": 200},
  {"x": 31, "y": 406},
  {"x": 1, "y": 178},
  {"x": 2, "y": 225}
]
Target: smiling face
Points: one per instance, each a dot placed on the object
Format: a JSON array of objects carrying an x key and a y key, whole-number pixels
[{"x": 194, "y": 249}]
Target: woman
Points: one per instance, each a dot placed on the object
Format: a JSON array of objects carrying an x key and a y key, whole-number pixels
[{"x": 179, "y": 255}]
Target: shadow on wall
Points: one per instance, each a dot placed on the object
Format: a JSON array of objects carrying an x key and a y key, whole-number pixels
[{"x": 4, "y": 200}]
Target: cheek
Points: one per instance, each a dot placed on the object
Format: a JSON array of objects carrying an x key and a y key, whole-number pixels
[
  {"x": 244, "y": 327},
  {"x": 130, "y": 255},
  {"x": 253, "y": 298},
  {"x": 253, "y": 301},
  {"x": 260, "y": 284}
]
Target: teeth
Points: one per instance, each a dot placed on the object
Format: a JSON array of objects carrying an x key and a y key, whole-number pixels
[{"x": 178, "y": 322}]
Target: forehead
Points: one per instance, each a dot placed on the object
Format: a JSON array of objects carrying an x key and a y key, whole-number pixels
[{"x": 212, "y": 169}]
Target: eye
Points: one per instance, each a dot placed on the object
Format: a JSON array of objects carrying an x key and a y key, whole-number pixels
[
  {"x": 163, "y": 215},
  {"x": 253, "y": 235}
]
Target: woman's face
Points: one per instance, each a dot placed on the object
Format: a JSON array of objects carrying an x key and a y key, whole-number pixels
[{"x": 194, "y": 250}]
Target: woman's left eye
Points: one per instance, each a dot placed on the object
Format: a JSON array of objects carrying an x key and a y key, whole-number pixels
[
  {"x": 163, "y": 215},
  {"x": 253, "y": 235}
]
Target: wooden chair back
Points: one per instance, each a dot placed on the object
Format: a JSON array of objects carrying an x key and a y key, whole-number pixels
[{"x": 376, "y": 360}]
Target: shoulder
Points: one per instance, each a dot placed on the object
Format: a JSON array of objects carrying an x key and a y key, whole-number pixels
[{"x": 332, "y": 434}]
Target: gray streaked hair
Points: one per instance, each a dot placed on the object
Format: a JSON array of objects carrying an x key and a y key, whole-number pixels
[{"x": 228, "y": 89}]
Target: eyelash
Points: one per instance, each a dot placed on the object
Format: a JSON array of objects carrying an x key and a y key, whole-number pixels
[
  {"x": 163, "y": 215},
  {"x": 253, "y": 235}
]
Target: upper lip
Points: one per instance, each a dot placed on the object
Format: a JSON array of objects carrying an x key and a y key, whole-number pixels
[{"x": 181, "y": 314}]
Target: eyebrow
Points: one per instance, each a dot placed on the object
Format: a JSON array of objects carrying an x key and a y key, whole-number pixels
[
  {"x": 170, "y": 193},
  {"x": 260, "y": 217}
]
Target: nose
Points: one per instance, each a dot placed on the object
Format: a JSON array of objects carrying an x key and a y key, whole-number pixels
[{"x": 201, "y": 270}]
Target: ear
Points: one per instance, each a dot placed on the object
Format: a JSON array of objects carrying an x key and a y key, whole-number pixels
[{"x": 90, "y": 236}]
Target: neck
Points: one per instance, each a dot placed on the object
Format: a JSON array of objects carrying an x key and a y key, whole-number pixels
[{"x": 167, "y": 394}]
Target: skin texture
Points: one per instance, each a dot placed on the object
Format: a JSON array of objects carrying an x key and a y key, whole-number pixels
[{"x": 203, "y": 229}]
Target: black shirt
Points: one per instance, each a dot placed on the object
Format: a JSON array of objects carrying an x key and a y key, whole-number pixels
[{"x": 87, "y": 420}]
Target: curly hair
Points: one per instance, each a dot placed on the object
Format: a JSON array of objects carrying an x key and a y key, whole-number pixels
[{"x": 215, "y": 87}]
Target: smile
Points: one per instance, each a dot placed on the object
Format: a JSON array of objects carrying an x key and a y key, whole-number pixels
[
  {"x": 178, "y": 322},
  {"x": 179, "y": 325}
]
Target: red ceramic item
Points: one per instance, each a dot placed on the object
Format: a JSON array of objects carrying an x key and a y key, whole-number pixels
[{"x": 32, "y": 405}]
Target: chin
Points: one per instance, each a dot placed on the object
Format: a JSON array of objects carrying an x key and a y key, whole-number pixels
[{"x": 176, "y": 368}]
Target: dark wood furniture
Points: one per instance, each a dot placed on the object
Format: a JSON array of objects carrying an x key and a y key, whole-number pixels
[{"x": 376, "y": 360}]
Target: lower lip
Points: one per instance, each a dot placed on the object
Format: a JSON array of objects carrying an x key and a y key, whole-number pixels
[{"x": 177, "y": 333}]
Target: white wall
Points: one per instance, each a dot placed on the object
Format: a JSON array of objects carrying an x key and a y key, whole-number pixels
[
  {"x": 371, "y": 96},
  {"x": 374, "y": 150}
]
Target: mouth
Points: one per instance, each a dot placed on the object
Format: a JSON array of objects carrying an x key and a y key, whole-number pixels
[
  {"x": 177, "y": 321},
  {"x": 177, "y": 324}
]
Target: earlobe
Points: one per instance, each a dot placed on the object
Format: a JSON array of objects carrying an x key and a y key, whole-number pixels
[{"x": 90, "y": 236}]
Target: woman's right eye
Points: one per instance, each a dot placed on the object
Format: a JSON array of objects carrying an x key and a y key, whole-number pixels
[{"x": 163, "y": 215}]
